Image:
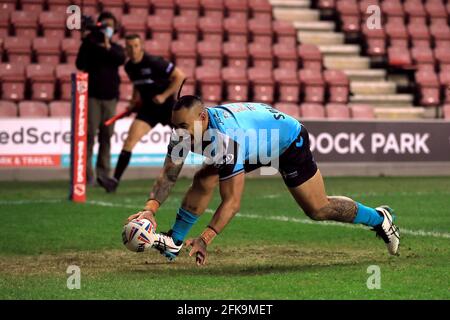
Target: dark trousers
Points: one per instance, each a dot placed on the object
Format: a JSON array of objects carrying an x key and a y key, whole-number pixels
[{"x": 98, "y": 112}]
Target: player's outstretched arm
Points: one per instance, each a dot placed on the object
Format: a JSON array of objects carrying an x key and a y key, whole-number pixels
[
  {"x": 231, "y": 193},
  {"x": 160, "y": 191}
]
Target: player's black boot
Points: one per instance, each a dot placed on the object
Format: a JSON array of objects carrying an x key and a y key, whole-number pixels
[{"x": 109, "y": 184}]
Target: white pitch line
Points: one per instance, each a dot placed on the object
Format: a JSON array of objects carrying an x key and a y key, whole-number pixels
[{"x": 419, "y": 233}]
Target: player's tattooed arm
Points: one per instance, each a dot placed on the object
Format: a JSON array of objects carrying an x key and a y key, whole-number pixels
[{"x": 166, "y": 180}]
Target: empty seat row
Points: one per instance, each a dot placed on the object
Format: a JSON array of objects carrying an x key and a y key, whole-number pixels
[
  {"x": 239, "y": 8},
  {"x": 335, "y": 111},
  {"x": 34, "y": 109}
]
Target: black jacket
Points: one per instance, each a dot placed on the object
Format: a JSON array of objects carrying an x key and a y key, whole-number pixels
[{"x": 102, "y": 65}]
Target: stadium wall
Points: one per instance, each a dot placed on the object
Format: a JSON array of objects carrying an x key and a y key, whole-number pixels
[{"x": 39, "y": 149}]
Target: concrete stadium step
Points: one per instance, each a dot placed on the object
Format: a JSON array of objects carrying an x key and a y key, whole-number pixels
[
  {"x": 383, "y": 100},
  {"x": 320, "y": 26},
  {"x": 366, "y": 74},
  {"x": 292, "y": 14},
  {"x": 320, "y": 38},
  {"x": 340, "y": 50},
  {"x": 404, "y": 113},
  {"x": 346, "y": 63},
  {"x": 293, "y": 4},
  {"x": 373, "y": 87}
]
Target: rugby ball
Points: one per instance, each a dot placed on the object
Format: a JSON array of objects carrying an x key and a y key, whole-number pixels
[{"x": 138, "y": 235}]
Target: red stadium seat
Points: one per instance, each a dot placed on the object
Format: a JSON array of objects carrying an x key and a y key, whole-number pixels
[
  {"x": 436, "y": 10},
  {"x": 285, "y": 32},
  {"x": 63, "y": 74},
  {"x": 8, "y": 109},
  {"x": 429, "y": 87},
  {"x": 164, "y": 8},
  {"x": 440, "y": 32},
  {"x": 186, "y": 28},
  {"x": 311, "y": 56},
  {"x": 18, "y": 49},
  {"x": 8, "y": 6},
  {"x": 211, "y": 28},
  {"x": 392, "y": 8},
  {"x": 286, "y": 56},
  {"x": 313, "y": 85},
  {"x": 420, "y": 35},
  {"x": 350, "y": 16},
  {"x": 375, "y": 40},
  {"x": 213, "y": 8},
  {"x": 42, "y": 81},
  {"x": 237, "y": 9},
  {"x": 189, "y": 87},
  {"x": 362, "y": 112},
  {"x": 423, "y": 57},
  {"x": 60, "y": 109},
  {"x": 12, "y": 77},
  {"x": 261, "y": 55},
  {"x": 161, "y": 28},
  {"x": 446, "y": 111},
  {"x": 53, "y": 24},
  {"x": 444, "y": 79},
  {"x": 338, "y": 86},
  {"x": 364, "y": 5},
  {"x": 337, "y": 111},
  {"x": 138, "y": 7},
  {"x": 399, "y": 57},
  {"x": 33, "y": 109},
  {"x": 210, "y": 83},
  {"x": 48, "y": 50},
  {"x": 236, "y": 83},
  {"x": 158, "y": 48},
  {"x": 415, "y": 10},
  {"x": 4, "y": 23},
  {"x": 237, "y": 30},
  {"x": 291, "y": 109},
  {"x": 236, "y": 54},
  {"x": 312, "y": 111},
  {"x": 70, "y": 48},
  {"x": 398, "y": 34},
  {"x": 210, "y": 53},
  {"x": 261, "y": 9},
  {"x": 185, "y": 53},
  {"x": 262, "y": 83},
  {"x": 288, "y": 85},
  {"x": 189, "y": 8},
  {"x": 25, "y": 23},
  {"x": 134, "y": 24},
  {"x": 32, "y": 5},
  {"x": 326, "y": 4},
  {"x": 261, "y": 31}
]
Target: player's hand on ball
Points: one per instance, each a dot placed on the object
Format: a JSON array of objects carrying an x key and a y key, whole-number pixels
[
  {"x": 159, "y": 99},
  {"x": 145, "y": 214},
  {"x": 199, "y": 249}
]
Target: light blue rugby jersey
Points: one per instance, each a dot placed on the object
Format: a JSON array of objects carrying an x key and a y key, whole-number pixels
[{"x": 266, "y": 130}]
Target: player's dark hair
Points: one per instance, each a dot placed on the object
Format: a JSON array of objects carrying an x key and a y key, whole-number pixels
[
  {"x": 132, "y": 36},
  {"x": 186, "y": 101}
]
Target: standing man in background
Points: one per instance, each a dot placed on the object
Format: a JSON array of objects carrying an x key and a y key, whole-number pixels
[
  {"x": 101, "y": 58},
  {"x": 155, "y": 82}
]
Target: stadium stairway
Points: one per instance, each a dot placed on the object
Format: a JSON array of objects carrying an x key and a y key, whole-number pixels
[{"x": 368, "y": 85}]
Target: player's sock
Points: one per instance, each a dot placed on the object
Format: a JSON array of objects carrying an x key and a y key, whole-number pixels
[
  {"x": 367, "y": 216},
  {"x": 122, "y": 164},
  {"x": 184, "y": 222}
]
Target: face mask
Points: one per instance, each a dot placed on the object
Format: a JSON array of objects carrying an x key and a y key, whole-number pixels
[{"x": 109, "y": 32}]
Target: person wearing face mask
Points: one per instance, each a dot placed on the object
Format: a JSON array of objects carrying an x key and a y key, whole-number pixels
[{"x": 101, "y": 58}]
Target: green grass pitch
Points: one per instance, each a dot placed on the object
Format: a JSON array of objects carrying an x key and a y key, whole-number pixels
[{"x": 271, "y": 250}]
